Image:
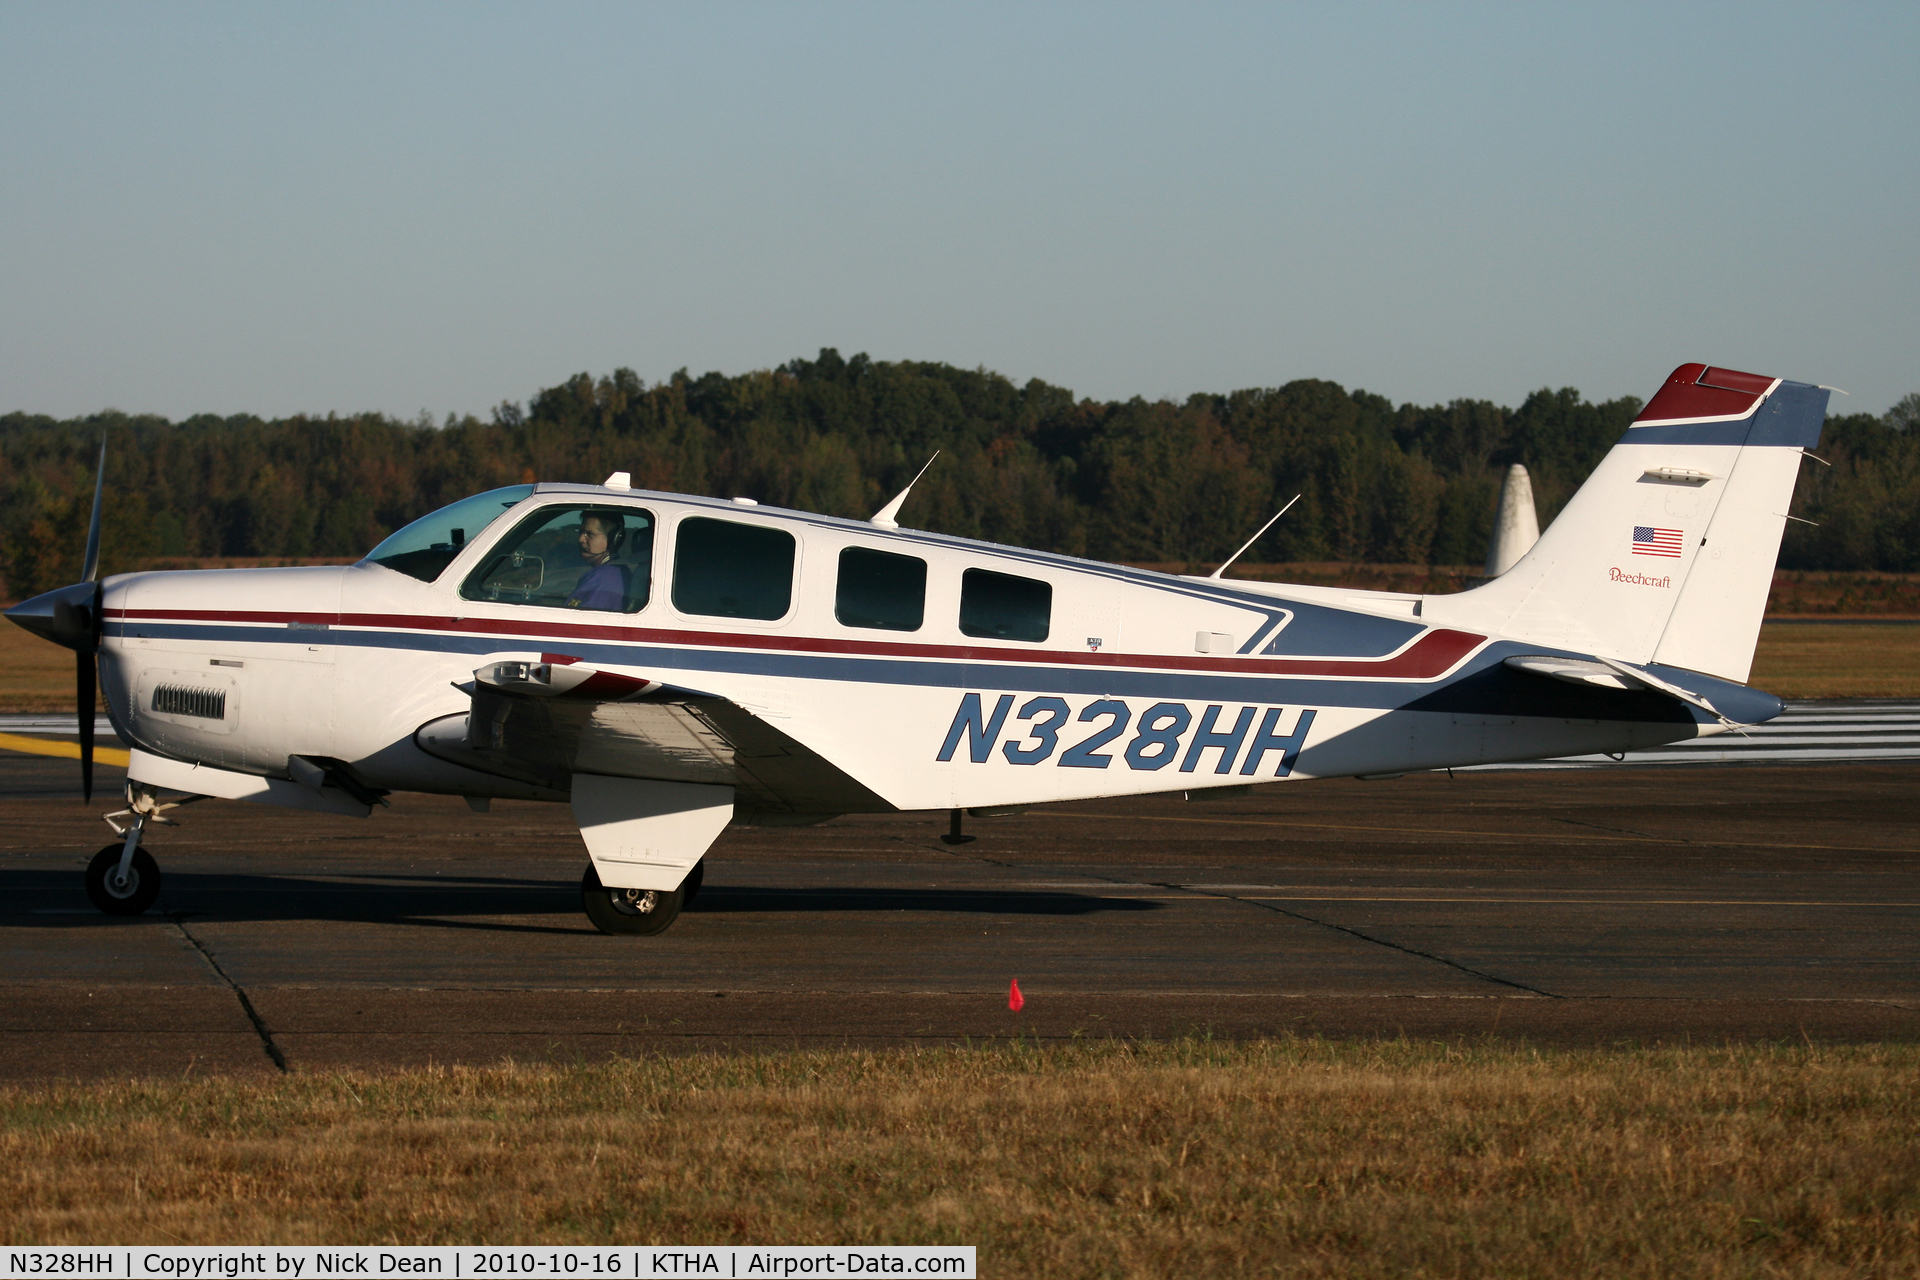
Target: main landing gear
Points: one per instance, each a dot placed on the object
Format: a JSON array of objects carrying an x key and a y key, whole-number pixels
[
  {"x": 123, "y": 879},
  {"x": 637, "y": 911}
]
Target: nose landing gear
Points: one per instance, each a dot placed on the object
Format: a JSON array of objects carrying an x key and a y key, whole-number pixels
[
  {"x": 122, "y": 886},
  {"x": 123, "y": 879}
]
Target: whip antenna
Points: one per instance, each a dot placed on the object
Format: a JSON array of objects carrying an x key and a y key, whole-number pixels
[{"x": 1255, "y": 538}]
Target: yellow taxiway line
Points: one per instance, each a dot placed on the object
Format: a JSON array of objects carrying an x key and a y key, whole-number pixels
[{"x": 68, "y": 750}]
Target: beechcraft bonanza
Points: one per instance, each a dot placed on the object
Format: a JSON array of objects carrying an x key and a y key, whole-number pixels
[{"x": 668, "y": 664}]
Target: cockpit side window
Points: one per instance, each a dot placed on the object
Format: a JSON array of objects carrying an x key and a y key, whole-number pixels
[
  {"x": 1000, "y": 606},
  {"x": 426, "y": 547},
  {"x": 571, "y": 557}
]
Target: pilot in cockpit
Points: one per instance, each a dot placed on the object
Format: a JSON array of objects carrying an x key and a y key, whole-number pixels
[{"x": 604, "y": 584}]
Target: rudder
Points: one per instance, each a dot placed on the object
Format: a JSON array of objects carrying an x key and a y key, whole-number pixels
[{"x": 1716, "y": 620}]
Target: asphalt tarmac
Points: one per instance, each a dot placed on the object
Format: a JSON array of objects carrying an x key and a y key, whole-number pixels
[{"x": 1564, "y": 907}]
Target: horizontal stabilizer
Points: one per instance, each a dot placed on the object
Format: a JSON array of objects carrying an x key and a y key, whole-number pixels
[
  {"x": 1574, "y": 671},
  {"x": 1732, "y": 705}
]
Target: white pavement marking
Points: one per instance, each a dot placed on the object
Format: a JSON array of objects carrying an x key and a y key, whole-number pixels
[
  {"x": 60, "y": 726},
  {"x": 1806, "y": 733}
]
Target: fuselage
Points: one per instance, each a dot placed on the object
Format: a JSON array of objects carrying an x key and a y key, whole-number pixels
[{"x": 934, "y": 671}]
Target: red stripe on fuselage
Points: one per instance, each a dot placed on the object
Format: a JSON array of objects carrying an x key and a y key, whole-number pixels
[{"x": 1433, "y": 654}]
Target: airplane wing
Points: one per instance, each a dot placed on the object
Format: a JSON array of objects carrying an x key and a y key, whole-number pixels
[{"x": 544, "y": 721}]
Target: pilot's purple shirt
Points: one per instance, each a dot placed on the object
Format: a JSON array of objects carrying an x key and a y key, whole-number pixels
[{"x": 603, "y": 587}]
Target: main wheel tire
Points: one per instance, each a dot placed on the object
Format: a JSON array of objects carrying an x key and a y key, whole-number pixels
[
  {"x": 690, "y": 887},
  {"x": 628, "y": 911},
  {"x": 140, "y": 891}
]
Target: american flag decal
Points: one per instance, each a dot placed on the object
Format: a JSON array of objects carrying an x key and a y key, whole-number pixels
[{"x": 1649, "y": 541}]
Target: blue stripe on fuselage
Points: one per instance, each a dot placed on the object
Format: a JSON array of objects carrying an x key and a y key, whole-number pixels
[{"x": 1480, "y": 687}]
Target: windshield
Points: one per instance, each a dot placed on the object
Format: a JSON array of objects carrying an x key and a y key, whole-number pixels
[{"x": 427, "y": 546}]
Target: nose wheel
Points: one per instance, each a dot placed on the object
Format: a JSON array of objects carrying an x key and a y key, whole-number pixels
[
  {"x": 123, "y": 879},
  {"x": 122, "y": 891}
]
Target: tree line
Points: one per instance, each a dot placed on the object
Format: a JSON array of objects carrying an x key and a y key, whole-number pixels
[{"x": 1135, "y": 480}]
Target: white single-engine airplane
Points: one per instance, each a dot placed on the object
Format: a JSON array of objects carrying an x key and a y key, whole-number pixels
[{"x": 669, "y": 664}]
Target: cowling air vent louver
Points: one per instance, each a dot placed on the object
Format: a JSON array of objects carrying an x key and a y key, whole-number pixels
[{"x": 179, "y": 700}]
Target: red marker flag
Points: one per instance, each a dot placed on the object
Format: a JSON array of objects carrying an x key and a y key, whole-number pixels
[{"x": 1015, "y": 1001}]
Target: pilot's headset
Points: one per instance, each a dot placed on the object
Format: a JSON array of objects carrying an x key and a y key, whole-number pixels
[{"x": 616, "y": 526}]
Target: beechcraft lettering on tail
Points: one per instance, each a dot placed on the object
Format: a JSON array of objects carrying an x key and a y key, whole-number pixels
[{"x": 667, "y": 665}]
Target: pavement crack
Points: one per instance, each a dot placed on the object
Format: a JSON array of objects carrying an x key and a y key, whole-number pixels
[
  {"x": 1576, "y": 822},
  {"x": 1469, "y": 970},
  {"x": 240, "y": 992}
]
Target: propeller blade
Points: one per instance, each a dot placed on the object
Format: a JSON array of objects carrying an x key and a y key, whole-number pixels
[
  {"x": 83, "y": 695},
  {"x": 85, "y": 673},
  {"x": 90, "y": 567},
  {"x": 70, "y": 616}
]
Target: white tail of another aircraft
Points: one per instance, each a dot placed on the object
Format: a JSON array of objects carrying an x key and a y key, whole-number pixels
[
  {"x": 1666, "y": 553},
  {"x": 1515, "y": 525}
]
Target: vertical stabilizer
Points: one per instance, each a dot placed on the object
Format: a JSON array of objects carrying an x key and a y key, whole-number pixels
[{"x": 1666, "y": 553}]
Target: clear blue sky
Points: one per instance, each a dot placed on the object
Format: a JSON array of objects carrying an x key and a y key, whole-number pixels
[{"x": 280, "y": 208}]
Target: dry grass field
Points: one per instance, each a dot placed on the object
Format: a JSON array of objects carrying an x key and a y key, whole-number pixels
[
  {"x": 1795, "y": 660},
  {"x": 1840, "y": 660},
  {"x": 1298, "y": 1158},
  {"x": 35, "y": 674}
]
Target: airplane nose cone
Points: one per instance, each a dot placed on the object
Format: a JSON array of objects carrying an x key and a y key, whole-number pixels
[{"x": 65, "y": 615}]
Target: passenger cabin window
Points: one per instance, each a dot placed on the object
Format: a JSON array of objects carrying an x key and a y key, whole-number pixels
[
  {"x": 880, "y": 590},
  {"x": 726, "y": 570},
  {"x": 999, "y": 606},
  {"x": 574, "y": 557}
]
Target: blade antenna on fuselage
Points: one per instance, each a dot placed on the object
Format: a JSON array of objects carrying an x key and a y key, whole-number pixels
[
  {"x": 1255, "y": 538},
  {"x": 884, "y": 518}
]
